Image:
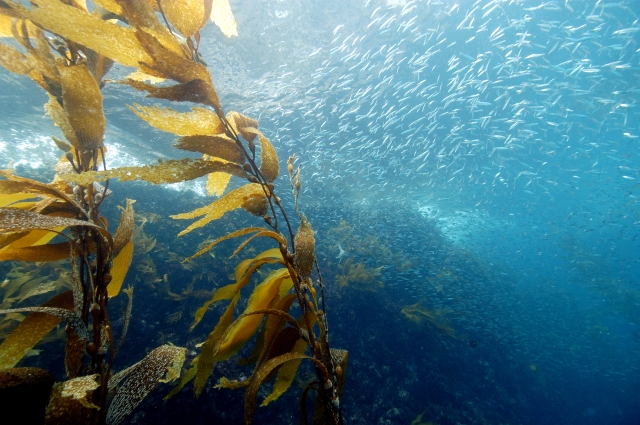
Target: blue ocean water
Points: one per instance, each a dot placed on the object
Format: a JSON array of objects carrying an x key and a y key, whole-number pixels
[{"x": 476, "y": 161}]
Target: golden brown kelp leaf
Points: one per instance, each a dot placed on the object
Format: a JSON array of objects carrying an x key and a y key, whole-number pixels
[
  {"x": 242, "y": 124},
  {"x": 25, "y": 391},
  {"x": 265, "y": 233},
  {"x": 277, "y": 284},
  {"x": 127, "y": 319},
  {"x": 72, "y": 401},
  {"x": 242, "y": 275},
  {"x": 218, "y": 146},
  {"x": 231, "y": 235},
  {"x": 21, "y": 185},
  {"x": 200, "y": 121},
  {"x": 61, "y": 119},
  {"x": 18, "y": 220},
  {"x": 274, "y": 324},
  {"x": 304, "y": 244},
  {"x": 121, "y": 264},
  {"x": 262, "y": 374},
  {"x": 98, "y": 65},
  {"x": 142, "y": 378},
  {"x": 231, "y": 201},
  {"x": 222, "y": 16},
  {"x": 174, "y": 66},
  {"x": 124, "y": 232},
  {"x": 286, "y": 373},
  {"x": 71, "y": 317},
  {"x": 269, "y": 167},
  {"x": 51, "y": 252},
  {"x": 15, "y": 61},
  {"x": 31, "y": 330},
  {"x": 340, "y": 358},
  {"x": 208, "y": 355},
  {"x": 113, "y": 41},
  {"x": 110, "y": 6},
  {"x": 74, "y": 349},
  {"x": 171, "y": 171},
  {"x": 141, "y": 16},
  {"x": 217, "y": 183},
  {"x": 196, "y": 91},
  {"x": 187, "y": 16},
  {"x": 82, "y": 100}
]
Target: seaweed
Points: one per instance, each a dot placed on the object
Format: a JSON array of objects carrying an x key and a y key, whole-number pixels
[{"x": 67, "y": 51}]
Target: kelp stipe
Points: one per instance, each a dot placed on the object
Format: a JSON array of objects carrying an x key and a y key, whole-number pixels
[{"x": 69, "y": 62}]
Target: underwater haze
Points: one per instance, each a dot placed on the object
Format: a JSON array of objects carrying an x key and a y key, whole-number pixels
[{"x": 472, "y": 171}]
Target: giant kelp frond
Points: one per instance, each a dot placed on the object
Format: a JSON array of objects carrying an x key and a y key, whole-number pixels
[
  {"x": 71, "y": 317},
  {"x": 237, "y": 198},
  {"x": 13, "y": 220},
  {"x": 264, "y": 372},
  {"x": 258, "y": 232},
  {"x": 243, "y": 274},
  {"x": 163, "y": 362},
  {"x": 198, "y": 122},
  {"x": 170, "y": 171},
  {"x": 31, "y": 330}
]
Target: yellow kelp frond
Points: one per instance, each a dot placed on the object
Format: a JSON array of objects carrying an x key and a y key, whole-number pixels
[
  {"x": 243, "y": 275},
  {"x": 16, "y": 220},
  {"x": 229, "y": 202},
  {"x": 113, "y": 41},
  {"x": 200, "y": 121},
  {"x": 187, "y": 16},
  {"x": 141, "y": 379},
  {"x": 9, "y": 199},
  {"x": 31, "y": 330},
  {"x": 52, "y": 252},
  {"x": 15, "y": 61},
  {"x": 142, "y": 77},
  {"x": 72, "y": 401},
  {"x": 119, "y": 269},
  {"x": 175, "y": 66},
  {"x": 217, "y": 182},
  {"x": 171, "y": 171},
  {"x": 359, "y": 277},
  {"x": 196, "y": 91},
  {"x": 245, "y": 267},
  {"x": 261, "y": 232},
  {"x": 286, "y": 373},
  {"x": 262, "y": 296},
  {"x": 218, "y": 146},
  {"x": 110, "y": 6},
  {"x": 210, "y": 348},
  {"x": 61, "y": 119},
  {"x": 269, "y": 166},
  {"x": 265, "y": 371},
  {"x": 141, "y": 16},
  {"x": 124, "y": 232},
  {"x": 267, "y": 233},
  {"x": 243, "y": 125},
  {"x": 437, "y": 318},
  {"x": 15, "y": 184},
  {"x": 82, "y": 101},
  {"x": 305, "y": 251},
  {"x": 222, "y": 16}
]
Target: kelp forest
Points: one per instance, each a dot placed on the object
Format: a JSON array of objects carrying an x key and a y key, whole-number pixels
[{"x": 63, "y": 248}]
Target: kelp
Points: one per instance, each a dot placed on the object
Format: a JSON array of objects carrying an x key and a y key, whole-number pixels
[
  {"x": 437, "y": 318},
  {"x": 358, "y": 276},
  {"x": 170, "y": 171},
  {"x": 67, "y": 51}
]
